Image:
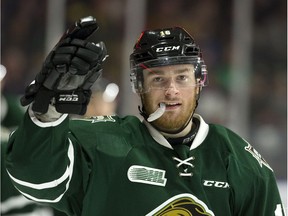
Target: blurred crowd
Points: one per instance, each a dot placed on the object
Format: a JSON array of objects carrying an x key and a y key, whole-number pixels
[{"x": 23, "y": 25}]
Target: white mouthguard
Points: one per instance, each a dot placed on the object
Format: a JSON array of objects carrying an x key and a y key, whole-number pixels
[{"x": 158, "y": 113}]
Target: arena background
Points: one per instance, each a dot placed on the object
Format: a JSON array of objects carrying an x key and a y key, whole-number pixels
[{"x": 244, "y": 44}]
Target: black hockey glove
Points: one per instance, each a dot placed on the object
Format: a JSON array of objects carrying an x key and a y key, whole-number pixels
[{"x": 69, "y": 71}]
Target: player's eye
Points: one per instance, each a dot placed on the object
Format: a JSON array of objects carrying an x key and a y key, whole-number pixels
[
  {"x": 182, "y": 78},
  {"x": 158, "y": 79}
]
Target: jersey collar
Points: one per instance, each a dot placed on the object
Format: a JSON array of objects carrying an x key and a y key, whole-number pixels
[{"x": 200, "y": 136}]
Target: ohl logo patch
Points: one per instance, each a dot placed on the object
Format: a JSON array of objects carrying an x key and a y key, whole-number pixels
[{"x": 184, "y": 205}]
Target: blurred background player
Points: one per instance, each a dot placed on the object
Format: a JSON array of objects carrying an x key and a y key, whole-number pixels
[{"x": 11, "y": 110}]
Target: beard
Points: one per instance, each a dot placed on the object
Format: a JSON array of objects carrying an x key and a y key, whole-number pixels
[{"x": 170, "y": 122}]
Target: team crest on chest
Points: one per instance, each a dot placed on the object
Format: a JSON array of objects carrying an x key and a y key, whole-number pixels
[{"x": 182, "y": 204}]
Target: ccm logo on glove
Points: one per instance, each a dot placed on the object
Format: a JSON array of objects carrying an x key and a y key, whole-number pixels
[{"x": 68, "y": 97}]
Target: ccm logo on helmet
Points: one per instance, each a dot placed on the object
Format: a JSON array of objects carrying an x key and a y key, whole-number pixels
[{"x": 167, "y": 48}]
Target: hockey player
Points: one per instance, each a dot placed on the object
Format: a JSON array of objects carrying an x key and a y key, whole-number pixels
[{"x": 170, "y": 163}]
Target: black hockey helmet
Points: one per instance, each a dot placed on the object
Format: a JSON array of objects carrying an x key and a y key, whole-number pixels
[{"x": 161, "y": 47}]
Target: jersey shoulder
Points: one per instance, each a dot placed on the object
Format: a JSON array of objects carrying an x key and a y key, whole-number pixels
[
  {"x": 103, "y": 123},
  {"x": 239, "y": 150},
  {"x": 106, "y": 129}
]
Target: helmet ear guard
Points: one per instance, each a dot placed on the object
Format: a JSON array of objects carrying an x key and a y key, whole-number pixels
[
  {"x": 201, "y": 73},
  {"x": 135, "y": 82}
]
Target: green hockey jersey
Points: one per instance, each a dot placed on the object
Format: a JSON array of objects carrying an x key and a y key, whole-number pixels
[
  {"x": 109, "y": 165},
  {"x": 12, "y": 202}
]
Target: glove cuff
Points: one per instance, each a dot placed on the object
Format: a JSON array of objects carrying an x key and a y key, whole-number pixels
[{"x": 50, "y": 116}]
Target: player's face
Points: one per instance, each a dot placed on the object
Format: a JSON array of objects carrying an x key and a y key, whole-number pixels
[{"x": 176, "y": 87}]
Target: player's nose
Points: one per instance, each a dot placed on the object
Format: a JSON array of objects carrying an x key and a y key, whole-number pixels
[{"x": 172, "y": 88}]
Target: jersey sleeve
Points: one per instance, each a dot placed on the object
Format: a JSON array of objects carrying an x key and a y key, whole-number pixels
[
  {"x": 255, "y": 190},
  {"x": 41, "y": 163}
]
